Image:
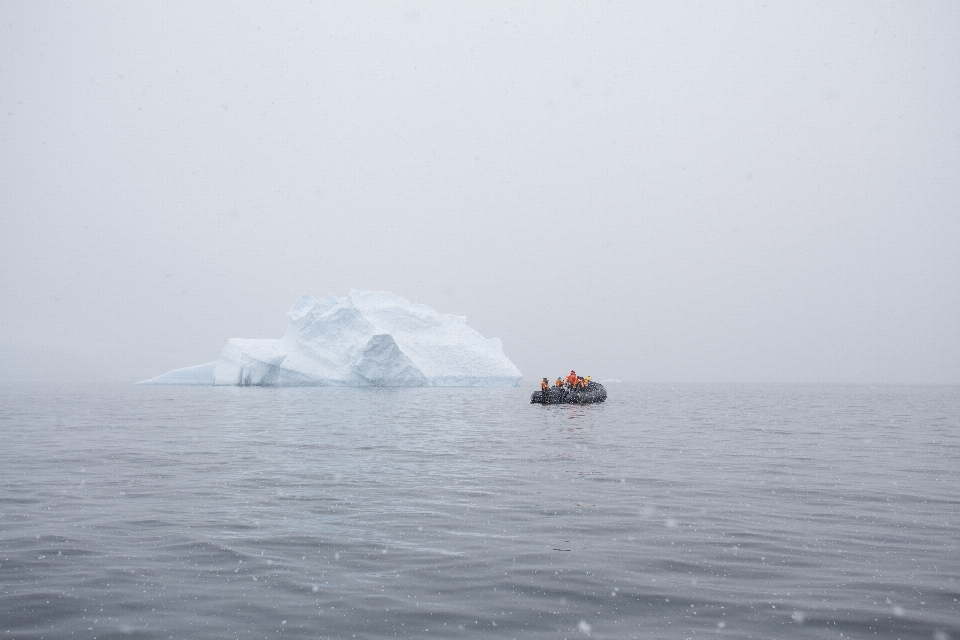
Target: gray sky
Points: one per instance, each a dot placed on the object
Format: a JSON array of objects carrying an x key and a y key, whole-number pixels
[{"x": 674, "y": 192}]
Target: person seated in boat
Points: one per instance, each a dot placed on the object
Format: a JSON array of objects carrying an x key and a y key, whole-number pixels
[
  {"x": 544, "y": 385},
  {"x": 581, "y": 383},
  {"x": 586, "y": 382},
  {"x": 559, "y": 383},
  {"x": 572, "y": 379}
]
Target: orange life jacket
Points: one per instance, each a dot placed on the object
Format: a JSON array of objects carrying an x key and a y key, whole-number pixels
[
  {"x": 544, "y": 385},
  {"x": 572, "y": 379}
]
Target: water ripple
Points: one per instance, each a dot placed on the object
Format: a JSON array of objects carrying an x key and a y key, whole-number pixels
[{"x": 670, "y": 511}]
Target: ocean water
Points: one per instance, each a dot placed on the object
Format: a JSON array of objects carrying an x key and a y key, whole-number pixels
[{"x": 683, "y": 511}]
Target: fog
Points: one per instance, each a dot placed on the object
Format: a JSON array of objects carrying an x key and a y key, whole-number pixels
[{"x": 662, "y": 192}]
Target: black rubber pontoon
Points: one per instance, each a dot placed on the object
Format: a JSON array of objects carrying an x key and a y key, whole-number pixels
[{"x": 555, "y": 395}]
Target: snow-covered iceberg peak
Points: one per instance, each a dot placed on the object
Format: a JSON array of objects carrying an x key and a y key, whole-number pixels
[{"x": 365, "y": 338}]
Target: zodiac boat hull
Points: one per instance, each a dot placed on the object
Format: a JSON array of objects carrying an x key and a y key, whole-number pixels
[{"x": 594, "y": 393}]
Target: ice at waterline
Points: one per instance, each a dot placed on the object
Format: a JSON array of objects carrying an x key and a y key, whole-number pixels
[{"x": 365, "y": 338}]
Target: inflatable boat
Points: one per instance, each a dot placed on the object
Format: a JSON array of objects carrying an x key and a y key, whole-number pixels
[{"x": 555, "y": 395}]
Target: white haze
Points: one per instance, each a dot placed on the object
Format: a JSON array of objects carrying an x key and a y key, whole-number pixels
[{"x": 665, "y": 191}]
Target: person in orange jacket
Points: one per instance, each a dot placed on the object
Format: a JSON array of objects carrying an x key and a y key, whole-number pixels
[
  {"x": 559, "y": 383},
  {"x": 572, "y": 379},
  {"x": 544, "y": 385}
]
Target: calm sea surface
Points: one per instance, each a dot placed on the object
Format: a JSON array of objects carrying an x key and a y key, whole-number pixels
[{"x": 667, "y": 512}]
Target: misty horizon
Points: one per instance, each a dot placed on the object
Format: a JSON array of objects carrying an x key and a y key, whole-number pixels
[{"x": 649, "y": 192}]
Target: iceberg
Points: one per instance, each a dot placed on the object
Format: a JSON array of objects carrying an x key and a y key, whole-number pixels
[{"x": 364, "y": 339}]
